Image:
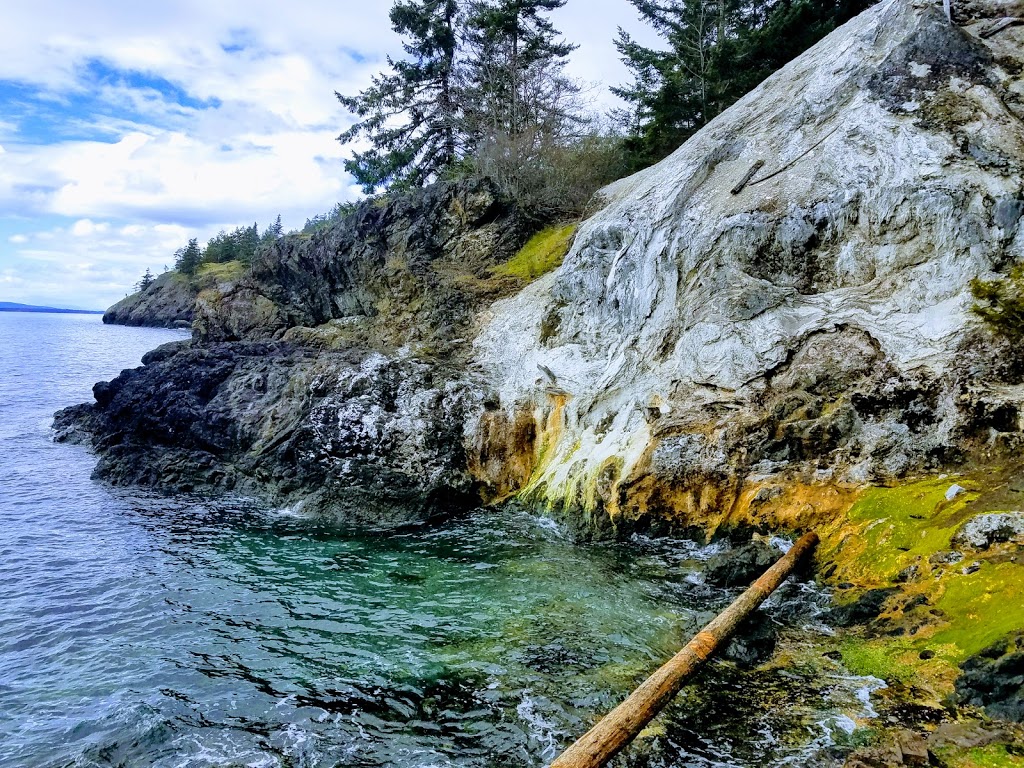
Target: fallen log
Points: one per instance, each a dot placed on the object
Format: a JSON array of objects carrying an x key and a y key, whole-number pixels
[{"x": 619, "y": 727}]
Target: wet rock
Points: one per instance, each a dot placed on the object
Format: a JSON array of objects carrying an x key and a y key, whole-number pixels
[
  {"x": 982, "y": 531},
  {"x": 994, "y": 680},
  {"x": 366, "y": 439},
  {"x": 740, "y": 566},
  {"x": 754, "y": 641},
  {"x": 861, "y": 610}
]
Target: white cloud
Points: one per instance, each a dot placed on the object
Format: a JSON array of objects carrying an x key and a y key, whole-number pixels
[{"x": 247, "y": 132}]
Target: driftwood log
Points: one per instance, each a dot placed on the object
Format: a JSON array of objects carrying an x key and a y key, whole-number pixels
[{"x": 618, "y": 728}]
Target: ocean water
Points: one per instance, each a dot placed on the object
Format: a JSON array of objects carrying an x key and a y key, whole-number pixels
[{"x": 142, "y": 630}]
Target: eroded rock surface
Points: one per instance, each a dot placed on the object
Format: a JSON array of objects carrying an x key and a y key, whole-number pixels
[
  {"x": 816, "y": 323},
  {"x": 329, "y": 376}
]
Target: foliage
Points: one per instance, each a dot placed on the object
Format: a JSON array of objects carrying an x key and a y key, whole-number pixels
[
  {"x": 239, "y": 245},
  {"x": 717, "y": 51},
  {"x": 324, "y": 220},
  {"x": 480, "y": 91},
  {"x": 409, "y": 114},
  {"x": 146, "y": 281},
  {"x": 1000, "y": 303},
  {"x": 187, "y": 259},
  {"x": 541, "y": 254}
]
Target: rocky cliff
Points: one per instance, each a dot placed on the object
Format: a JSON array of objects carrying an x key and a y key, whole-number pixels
[
  {"x": 783, "y": 300},
  {"x": 787, "y": 294},
  {"x": 167, "y": 303},
  {"x": 331, "y": 375}
]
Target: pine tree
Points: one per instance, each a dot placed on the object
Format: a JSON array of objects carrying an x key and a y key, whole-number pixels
[
  {"x": 717, "y": 51},
  {"x": 410, "y": 114},
  {"x": 188, "y": 259},
  {"x": 515, "y": 64},
  {"x": 146, "y": 281}
]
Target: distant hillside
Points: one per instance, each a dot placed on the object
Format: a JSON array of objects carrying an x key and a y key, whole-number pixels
[{"x": 8, "y": 306}]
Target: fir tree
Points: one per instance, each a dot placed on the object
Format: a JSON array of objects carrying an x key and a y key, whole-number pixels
[
  {"x": 188, "y": 259},
  {"x": 410, "y": 114},
  {"x": 146, "y": 281},
  {"x": 716, "y": 51},
  {"x": 515, "y": 62}
]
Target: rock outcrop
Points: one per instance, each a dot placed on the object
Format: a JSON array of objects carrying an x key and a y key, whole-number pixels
[
  {"x": 813, "y": 324},
  {"x": 330, "y": 376},
  {"x": 167, "y": 303}
]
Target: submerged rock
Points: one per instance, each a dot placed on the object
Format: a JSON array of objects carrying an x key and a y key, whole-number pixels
[{"x": 740, "y": 567}]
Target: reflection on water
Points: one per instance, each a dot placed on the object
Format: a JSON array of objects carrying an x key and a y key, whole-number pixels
[{"x": 139, "y": 630}]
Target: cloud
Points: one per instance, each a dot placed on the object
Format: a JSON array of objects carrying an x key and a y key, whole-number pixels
[{"x": 128, "y": 127}]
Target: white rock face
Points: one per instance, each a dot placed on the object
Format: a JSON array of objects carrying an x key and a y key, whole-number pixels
[{"x": 892, "y": 175}]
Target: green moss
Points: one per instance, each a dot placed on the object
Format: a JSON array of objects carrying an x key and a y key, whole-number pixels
[
  {"x": 993, "y": 756},
  {"x": 542, "y": 254},
  {"x": 889, "y": 660},
  {"x": 899, "y": 526},
  {"x": 982, "y": 608}
]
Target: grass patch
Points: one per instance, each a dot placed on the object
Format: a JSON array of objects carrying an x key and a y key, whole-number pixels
[
  {"x": 207, "y": 275},
  {"x": 544, "y": 252},
  {"x": 982, "y": 608}
]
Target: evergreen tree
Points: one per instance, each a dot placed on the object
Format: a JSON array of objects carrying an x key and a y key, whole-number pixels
[
  {"x": 274, "y": 232},
  {"x": 146, "y": 281},
  {"x": 188, "y": 259},
  {"x": 410, "y": 114},
  {"x": 717, "y": 51},
  {"x": 514, "y": 65}
]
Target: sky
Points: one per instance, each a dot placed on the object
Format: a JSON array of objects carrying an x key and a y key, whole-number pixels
[{"x": 126, "y": 128}]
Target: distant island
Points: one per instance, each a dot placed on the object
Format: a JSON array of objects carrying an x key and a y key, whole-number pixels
[{"x": 8, "y": 306}]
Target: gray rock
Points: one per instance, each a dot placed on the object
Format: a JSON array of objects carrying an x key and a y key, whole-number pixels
[{"x": 982, "y": 531}]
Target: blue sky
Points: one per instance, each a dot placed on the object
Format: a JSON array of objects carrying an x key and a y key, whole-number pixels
[{"x": 126, "y": 128}]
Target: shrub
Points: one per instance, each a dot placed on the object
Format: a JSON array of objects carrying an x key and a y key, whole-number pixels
[{"x": 1000, "y": 303}]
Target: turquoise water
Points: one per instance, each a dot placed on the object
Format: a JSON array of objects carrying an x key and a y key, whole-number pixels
[{"x": 138, "y": 630}]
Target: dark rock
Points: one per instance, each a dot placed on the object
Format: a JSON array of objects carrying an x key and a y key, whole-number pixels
[
  {"x": 754, "y": 641},
  {"x": 740, "y": 566},
  {"x": 994, "y": 680},
  {"x": 861, "y": 610},
  {"x": 946, "y": 558},
  {"x": 364, "y": 438},
  {"x": 168, "y": 303}
]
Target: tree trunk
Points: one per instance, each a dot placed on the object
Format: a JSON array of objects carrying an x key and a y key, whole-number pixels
[{"x": 618, "y": 728}]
